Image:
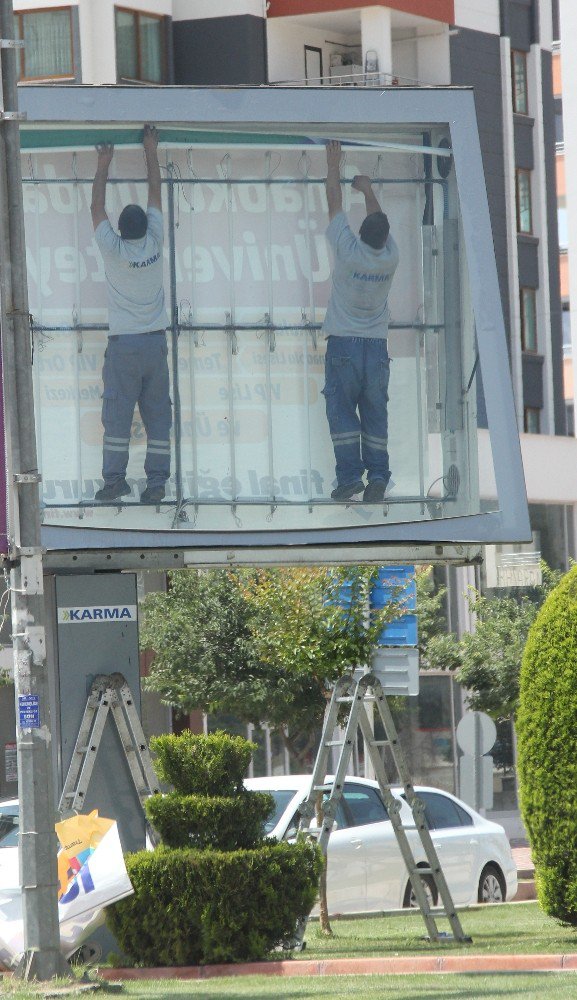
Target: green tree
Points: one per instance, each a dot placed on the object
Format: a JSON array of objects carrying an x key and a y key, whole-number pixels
[
  {"x": 491, "y": 655},
  {"x": 547, "y": 735},
  {"x": 438, "y": 648},
  {"x": 200, "y": 633},
  {"x": 262, "y": 645}
]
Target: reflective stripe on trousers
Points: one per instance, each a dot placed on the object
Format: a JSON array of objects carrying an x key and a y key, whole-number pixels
[{"x": 356, "y": 396}]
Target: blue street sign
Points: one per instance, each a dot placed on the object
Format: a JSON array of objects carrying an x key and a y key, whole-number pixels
[{"x": 29, "y": 711}]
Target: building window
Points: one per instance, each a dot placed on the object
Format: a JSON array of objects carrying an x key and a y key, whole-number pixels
[
  {"x": 47, "y": 37},
  {"x": 528, "y": 319},
  {"x": 140, "y": 46},
  {"x": 566, "y": 325},
  {"x": 519, "y": 74},
  {"x": 523, "y": 191},
  {"x": 532, "y": 420},
  {"x": 559, "y": 133}
]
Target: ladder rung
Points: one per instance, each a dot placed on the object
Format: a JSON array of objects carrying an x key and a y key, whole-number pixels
[
  {"x": 334, "y": 743},
  {"x": 421, "y": 871},
  {"x": 322, "y": 788},
  {"x": 379, "y": 743}
]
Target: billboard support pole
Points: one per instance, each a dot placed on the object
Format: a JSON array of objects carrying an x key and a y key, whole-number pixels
[{"x": 38, "y": 873}]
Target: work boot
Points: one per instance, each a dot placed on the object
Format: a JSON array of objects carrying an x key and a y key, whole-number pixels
[
  {"x": 112, "y": 491},
  {"x": 347, "y": 492},
  {"x": 375, "y": 491},
  {"x": 152, "y": 494}
]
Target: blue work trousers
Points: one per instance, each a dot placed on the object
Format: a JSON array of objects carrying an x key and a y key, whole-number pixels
[
  {"x": 356, "y": 396},
  {"x": 136, "y": 371}
]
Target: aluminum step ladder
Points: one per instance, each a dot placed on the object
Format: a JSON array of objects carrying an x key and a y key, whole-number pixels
[
  {"x": 109, "y": 693},
  {"x": 354, "y": 693}
]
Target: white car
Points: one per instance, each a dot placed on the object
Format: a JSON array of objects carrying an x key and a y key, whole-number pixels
[{"x": 366, "y": 872}]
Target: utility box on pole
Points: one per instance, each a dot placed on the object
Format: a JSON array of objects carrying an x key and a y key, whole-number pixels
[{"x": 94, "y": 632}]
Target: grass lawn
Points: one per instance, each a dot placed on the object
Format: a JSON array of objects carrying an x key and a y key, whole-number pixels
[
  {"x": 539, "y": 986},
  {"x": 511, "y": 929},
  {"x": 520, "y": 929}
]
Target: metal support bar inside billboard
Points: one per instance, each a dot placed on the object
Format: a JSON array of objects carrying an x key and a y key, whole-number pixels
[{"x": 248, "y": 276}]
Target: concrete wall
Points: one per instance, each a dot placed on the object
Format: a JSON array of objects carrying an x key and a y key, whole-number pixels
[
  {"x": 286, "y": 40},
  {"x": 478, "y": 15}
]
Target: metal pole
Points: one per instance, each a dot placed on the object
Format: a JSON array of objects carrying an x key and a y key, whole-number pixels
[{"x": 38, "y": 874}]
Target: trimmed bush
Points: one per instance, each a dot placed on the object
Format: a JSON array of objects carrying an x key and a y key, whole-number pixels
[
  {"x": 202, "y": 765},
  {"x": 547, "y": 749},
  {"x": 223, "y": 823},
  {"x": 192, "y": 907},
  {"x": 231, "y": 904}
]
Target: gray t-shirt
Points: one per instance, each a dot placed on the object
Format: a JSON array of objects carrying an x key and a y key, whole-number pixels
[
  {"x": 361, "y": 281},
  {"x": 134, "y": 277}
]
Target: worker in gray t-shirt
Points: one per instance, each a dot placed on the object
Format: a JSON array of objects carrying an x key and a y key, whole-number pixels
[
  {"x": 136, "y": 359},
  {"x": 356, "y": 325}
]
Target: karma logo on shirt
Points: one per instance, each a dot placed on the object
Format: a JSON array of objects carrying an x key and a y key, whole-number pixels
[{"x": 98, "y": 613}]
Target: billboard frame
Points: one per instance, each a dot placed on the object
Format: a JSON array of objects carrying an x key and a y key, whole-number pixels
[{"x": 291, "y": 110}]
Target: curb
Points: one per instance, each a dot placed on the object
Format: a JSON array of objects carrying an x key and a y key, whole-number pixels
[{"x": 358, "y": 966}]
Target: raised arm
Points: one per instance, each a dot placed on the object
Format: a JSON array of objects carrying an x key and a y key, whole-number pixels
[
  {"x": 150, "y": 143},
  {"x": 363, "y": 183},
  {"x": 97, "y": 207},
  {"x": 333, "y": 184}
]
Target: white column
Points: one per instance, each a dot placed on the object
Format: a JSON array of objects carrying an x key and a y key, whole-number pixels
[
  {"x": 465, "y": 584},
  {"x": 376, "y": 36},
  {"x": 97, "y": 41}
]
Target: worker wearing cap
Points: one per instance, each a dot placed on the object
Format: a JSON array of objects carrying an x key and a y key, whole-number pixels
[
  {"x": 136, "y": 359},
  {"x": 356, "y": 325}
]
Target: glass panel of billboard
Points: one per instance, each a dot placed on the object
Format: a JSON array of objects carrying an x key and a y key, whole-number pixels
[{"x": 248, "y": 275}]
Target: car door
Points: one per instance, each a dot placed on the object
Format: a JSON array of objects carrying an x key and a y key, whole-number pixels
[
  {"x": 346, "y": 866},
  {"x": 372, "y": 848},
  {"x": 456, "y": 841}
]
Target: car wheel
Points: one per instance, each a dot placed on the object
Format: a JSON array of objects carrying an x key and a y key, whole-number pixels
[
  {"x": 491, "y": 885},
  {"x": 410, "y": 900}
]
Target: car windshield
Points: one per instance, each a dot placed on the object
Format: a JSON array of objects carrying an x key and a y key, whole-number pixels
[
  {"x": 282, "y": 797},
  {"x": 8, "y": 826}
]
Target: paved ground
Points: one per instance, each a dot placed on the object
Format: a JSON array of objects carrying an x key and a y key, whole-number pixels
[{"x": 522, "y": 856}]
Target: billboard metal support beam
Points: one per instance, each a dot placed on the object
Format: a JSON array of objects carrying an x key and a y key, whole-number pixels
[{"x": 38, "y": 874}]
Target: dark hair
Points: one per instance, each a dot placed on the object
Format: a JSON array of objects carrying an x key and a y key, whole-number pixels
[
  {"x": 132, "y": 222},
  {"x": 375, "y": 230}
]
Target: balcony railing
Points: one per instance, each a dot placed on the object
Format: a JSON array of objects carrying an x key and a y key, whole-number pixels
[{"x": 352, "y": 76}]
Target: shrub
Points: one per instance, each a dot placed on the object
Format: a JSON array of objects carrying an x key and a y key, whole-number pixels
[
  {"x": 235, "y": 895},
  {"x": 223, "y": 823},
  {"x": 193, "y": 907},
  {"x": 204, "y": 765},
  {"x": 547, "y": 745}
]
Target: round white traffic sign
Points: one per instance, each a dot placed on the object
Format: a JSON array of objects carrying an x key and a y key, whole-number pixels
[{"x": 476, "y": 733}]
